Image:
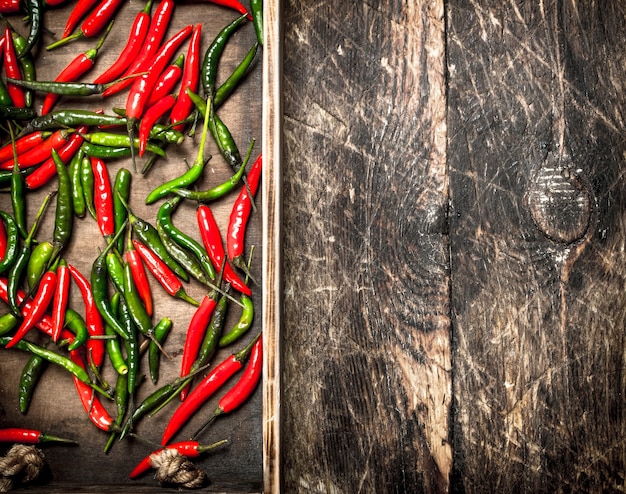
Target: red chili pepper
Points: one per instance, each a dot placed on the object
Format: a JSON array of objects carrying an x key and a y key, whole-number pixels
[
  {"x": 10, "y": 6},
  {"x": 79, "y": 66},
  {"x": 97, "y": 413},
  {"x": 28, "y": 436},
  {"x": 231, "y": 4},
  {"x": 61, "y": 299},
  {"x": 152, "y": 115},
  {"x": 103, "y": 198},
  {"x": 3, "y": 240},
  {"x": 94, "y": 23},
  {"x": 195, "y": 334},
  {"x": 162, "y": 272},
  {"x": 243, "y": 388},
  {"x": 54, "y": 3},
  {"x": 40, "y": 153},
  {"x": 212, "y": 240},
  {"x": 44, "y": 324},
  {"x": 39, "y": 305},
  {"x": 190, "y": 449},
  {"x": 23, "y": 144},
  {"x": 139, "y": 276},
  {"x": 47, "y": 169},
  {"x": 12, "y": 70},
  {"x": 158, "y": 27},
  {"x": 191, "y": 78},
  {"x": 167, "y": 81},
  {"x": 132, "y": 49},
  {"x": 204, "y": 390},
  {"x": 93, "y": 319},
  {"x": 79, "y": 11},
  {"x": 142, "y": 86},
  {"x": 239, "y": 216}
]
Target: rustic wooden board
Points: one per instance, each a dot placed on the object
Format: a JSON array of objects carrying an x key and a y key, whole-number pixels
[
  {"x": 536, "y": 156},
  {"x": 55, "y": 408},
  {"x": 367, "y": 371}
]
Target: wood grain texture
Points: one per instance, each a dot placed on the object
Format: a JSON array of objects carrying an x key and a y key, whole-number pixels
[
  {"x": 366, "y": 380},
  {"x": 536, "y": 157}
]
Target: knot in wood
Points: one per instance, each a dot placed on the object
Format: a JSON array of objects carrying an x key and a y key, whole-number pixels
[{"x": 559, "y": 200}]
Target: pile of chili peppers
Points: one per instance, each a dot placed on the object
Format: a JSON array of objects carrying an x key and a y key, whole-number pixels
[{"x": 52, "y": 144}]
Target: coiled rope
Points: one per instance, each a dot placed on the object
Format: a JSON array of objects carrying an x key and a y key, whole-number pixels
[
  {"x": 23, "y": 463},
  {"x": 174, "y": 468}
]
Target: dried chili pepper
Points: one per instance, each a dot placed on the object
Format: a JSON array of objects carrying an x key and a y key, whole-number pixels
[
  {"x": 132, "y": 49},
  {"x": 190, "y": 449},
  {"x": 212, "y": 241},
  {"x": 78, "y": 67},
  {"x": 29, "y": 436},
  {"x": 214, "y": 380},
  {"x": 243, "y": 388}
]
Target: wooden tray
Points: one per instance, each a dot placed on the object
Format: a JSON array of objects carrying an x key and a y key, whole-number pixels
[{"x": 251, "y": 461}]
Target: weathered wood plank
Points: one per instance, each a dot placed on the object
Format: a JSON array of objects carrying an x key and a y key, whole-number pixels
[
  {"x": 536, "y": 151},
  {"x": 366, "y": 381}
]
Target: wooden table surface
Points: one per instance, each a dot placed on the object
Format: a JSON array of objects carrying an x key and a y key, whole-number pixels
[{"x": 453, "y": 221}]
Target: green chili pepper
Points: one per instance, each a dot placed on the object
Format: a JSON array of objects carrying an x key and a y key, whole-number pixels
[
  {"x": 219, "y": 190},
  {"x": 121, "y": 405},
  {"x": 38, "y": 262},
  {"x": 210, "y": 63},
  {"x": 59, "y": 87},
  {"x": 150, "y": 236},
  {"x": 27, "y": 64},
  {"x": 57, "y": 359},
  {"x": 8, "y": 322},
  {"x": 113, "y": 347},
  {"x": 31, "y": 373},
  {"x": 35, "y": 13},
  {"x": 64, "y": 217},
  {"x": 185, "y": 258},
  {"x": 70, "y": 118},
  {"x": 111, "y": 139},
  {"x": 121, "y": 187},
  {"x": 115, "y": 269},
  {"x": 213, "y": 333},
  {"x": 132, "y": 346},
  {"x": 164, "y": 221},
  {"x": 166, "y": 134},
  {"x": 231, "y": 83},
  {"x": 108, "y": 152},
  {"x": 17, "y": 113},
  {"x": 77, "y": 325},
  {"x": 187, "y": 178},
  {"x": 243, "y": 325},
  {"x": 154, "y": 352},
  {"x": 17, "y": 269},
  {"x": 87, "y": 180},
  {"x": 5, "y": 97},
  {"x": 18, "y": 192},
  {"x": 13, "y": 242},
  {"x": 78, "y": 198},
  {"x": 99, "y": 285}
]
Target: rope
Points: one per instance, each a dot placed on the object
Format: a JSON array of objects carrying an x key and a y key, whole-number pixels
[
  {"x": 174, "y": 468},
  {"x": 23, "y": 463}
]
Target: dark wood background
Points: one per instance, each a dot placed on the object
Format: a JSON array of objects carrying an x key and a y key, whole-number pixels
[{"x": 454, "y": 246}]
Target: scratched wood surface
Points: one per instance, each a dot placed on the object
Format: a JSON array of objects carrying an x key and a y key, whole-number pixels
[
  {"x": 366, "y": 380},
  {"x": 55, "y": 407},
  {"x": 536, "y": 158}
]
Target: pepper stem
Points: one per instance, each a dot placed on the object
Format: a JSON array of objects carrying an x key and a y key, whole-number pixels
[{"x": 65, "y": 40}]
